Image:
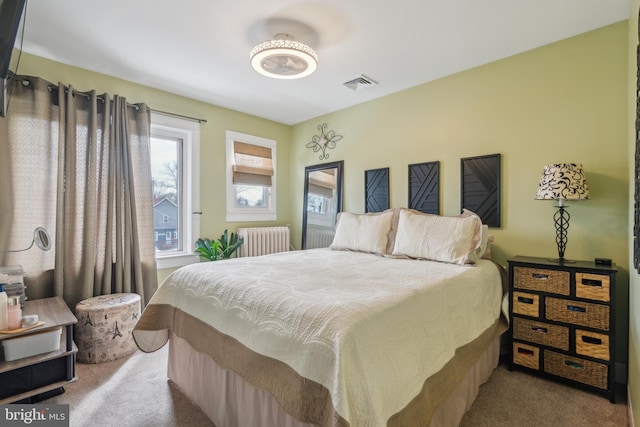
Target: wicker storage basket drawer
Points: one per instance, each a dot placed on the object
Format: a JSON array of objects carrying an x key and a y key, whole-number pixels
[
  {"x": 526, "y": 355},
  {"x": 537, "y": 279},
  {"x": 526, "y": 304},
  {"x": 578, "y": 313},
  {"x": 541, "y": 333},
  {"x": 592, "y": 344},
  {"x": 576, "y": 369},
  {"x": 593, "y": 286}
]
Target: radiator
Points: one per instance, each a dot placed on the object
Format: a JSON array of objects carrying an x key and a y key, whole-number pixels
[
  {"x": 319, "y": 237},
  {"x": 263, "y": 240}
]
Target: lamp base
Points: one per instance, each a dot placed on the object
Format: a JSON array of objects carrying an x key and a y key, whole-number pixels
[{"x": 561, "y": 260}]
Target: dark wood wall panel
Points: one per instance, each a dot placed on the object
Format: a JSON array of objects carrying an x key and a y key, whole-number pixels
[
  {"x": 376, "y": 183},
  {"x": 480, "y": 187},
  {"x": 424, "y": 187}
]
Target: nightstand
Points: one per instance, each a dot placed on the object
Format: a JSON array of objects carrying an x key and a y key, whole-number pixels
[
  {"x": 562, "y": 321},
  {"x": 28, "y": 378}
]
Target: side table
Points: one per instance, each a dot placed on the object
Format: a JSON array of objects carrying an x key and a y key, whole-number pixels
[
  {"x": 40, "y": 375},
  {"x": 563, "y": 321}
]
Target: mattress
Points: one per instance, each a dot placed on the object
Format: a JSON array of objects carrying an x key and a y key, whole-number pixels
[
  {"x": 356, "y": 335},
  {"x": 229, "y": 401}
]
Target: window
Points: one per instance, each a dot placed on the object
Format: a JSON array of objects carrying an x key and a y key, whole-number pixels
[
  {"x": 175, "y": 150},
  {"x": 251, "y": 180}
]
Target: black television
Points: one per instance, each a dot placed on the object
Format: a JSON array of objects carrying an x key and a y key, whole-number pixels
[{"x": 10, "y": 16}]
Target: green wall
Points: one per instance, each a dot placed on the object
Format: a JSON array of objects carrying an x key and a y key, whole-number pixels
[
  {"x": 571, "y": 101},
  {"x": 212, "y": 138},
  {"x": 564, "y": 102},
  {"x": 634, "y": 282}
]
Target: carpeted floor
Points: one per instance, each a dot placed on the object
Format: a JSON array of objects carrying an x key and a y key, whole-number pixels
[
  {"x": 129, "y": 392},
  {"x": 516, "y": 398},
  {"x": 135, "y": 392}
]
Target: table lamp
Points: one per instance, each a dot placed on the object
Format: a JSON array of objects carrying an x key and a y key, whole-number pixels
[{"x": 562, "y": 181}]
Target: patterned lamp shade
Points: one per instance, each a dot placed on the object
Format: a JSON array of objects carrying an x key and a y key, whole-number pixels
[{"x": 563, "y": 181}]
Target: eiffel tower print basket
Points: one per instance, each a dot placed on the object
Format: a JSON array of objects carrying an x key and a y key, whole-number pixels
[{"x": 103, "y": 331}]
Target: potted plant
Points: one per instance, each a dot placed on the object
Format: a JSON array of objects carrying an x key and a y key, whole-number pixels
[{"x": 223, "y": 248}]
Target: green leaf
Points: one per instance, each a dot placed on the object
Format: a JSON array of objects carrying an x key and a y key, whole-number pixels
[{"x": 222, "y": 248}]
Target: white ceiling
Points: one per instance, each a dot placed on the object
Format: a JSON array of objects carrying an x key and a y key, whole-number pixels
[{"x": 200, "y": 48}]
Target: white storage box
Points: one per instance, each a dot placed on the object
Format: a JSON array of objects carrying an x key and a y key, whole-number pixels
[
  {"x": 32, "y": 344},
  {"x": 11, "y": 274}
]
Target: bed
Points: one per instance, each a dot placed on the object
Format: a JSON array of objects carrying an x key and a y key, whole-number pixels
[{"x": 379, "y": 329}]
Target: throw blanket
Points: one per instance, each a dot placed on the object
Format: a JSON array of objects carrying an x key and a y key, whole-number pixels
[{"x": 369, "y": 329}]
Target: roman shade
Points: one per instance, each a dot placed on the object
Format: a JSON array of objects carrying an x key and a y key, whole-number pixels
[
  {"x": 252, "y": 164},
  {"x": 322, "y": 182}
]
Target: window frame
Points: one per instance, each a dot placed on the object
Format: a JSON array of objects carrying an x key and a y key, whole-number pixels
[
  {"x": 249, "y": 213},
  {"x": 189, "y": 132},
  {"x": 323, "y": 219}
]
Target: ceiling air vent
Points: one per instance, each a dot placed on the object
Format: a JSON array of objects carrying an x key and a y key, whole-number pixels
[{"x": 360, "y": 83}]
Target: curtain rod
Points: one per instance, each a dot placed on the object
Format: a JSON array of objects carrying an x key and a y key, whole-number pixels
[
  {"x": 51, "y": 88},
  {"x": 166, "y": 113}
]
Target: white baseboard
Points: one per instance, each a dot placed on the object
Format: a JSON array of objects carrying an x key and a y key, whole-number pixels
[{"x": 630, "y": 410}]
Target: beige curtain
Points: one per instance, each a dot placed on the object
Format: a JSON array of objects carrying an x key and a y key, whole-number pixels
[{"x": 77, "y": 163}]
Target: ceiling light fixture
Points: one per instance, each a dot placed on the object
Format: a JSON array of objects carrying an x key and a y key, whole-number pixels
[{"x": 283, "y": 58}]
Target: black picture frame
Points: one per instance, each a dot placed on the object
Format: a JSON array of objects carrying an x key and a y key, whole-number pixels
[
  {"x": 480, "y": 187},
  {"x": 339, "y": 172},
  {"x": 636, "y": 197},
  {"x": 424, "y": 187},
  {"x": 376, "y": 190}
]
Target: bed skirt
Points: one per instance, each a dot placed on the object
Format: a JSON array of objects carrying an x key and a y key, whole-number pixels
[{"x": 229, "y": 401}]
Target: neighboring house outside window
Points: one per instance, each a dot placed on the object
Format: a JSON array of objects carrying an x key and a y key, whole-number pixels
[{"x": 165, "y": 222}]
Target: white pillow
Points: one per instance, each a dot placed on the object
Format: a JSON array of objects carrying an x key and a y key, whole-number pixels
[
  {"x": 482, "y": 248},
  {"x": 362, "y": 232},
  {"x": 487, "y": 250},
  {"x": 437, "y": 238},
  {"x": 480, "y": 239}
]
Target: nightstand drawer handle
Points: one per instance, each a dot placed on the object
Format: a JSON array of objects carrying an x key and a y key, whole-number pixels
[
  {"x": 539, "y": 329},
  {"x": 525, "y": 300},
  {"x": 540, "y": 276},
  {"x": 525, "y": 351},
  {"x": 591, "y": 340},
  {"x": 576, "y": 308},
  {"x": 591, "y": 282},
  {"x": 575, "y": 365}
]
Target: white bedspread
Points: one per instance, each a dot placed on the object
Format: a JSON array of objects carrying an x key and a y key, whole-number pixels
[{"x": 370, "y": 329}]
